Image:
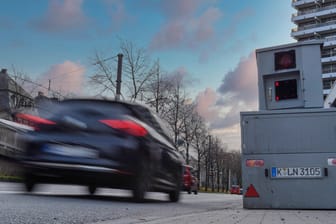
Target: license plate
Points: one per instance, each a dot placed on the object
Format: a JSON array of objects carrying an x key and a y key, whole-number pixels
[
  {"x": 70, "y": 151},
  {"x": 296, "y": 172}
]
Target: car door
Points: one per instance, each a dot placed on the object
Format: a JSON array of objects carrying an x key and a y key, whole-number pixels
[{"x": 168, "y": 156}]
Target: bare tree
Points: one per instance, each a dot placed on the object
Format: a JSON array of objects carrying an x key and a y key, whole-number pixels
[
  {"x": 236, "y": 170},
  {"x": 136, "y": 72},
  {"x": 207, "y": 161},
  {"x": 158, "y": 90},
  {"x": 219, "y": 162},
  {"x": 200, "y": 144},
  {"x": 136, "y": 68},
  {"x": 177, "y": 98},
  {"x": 103, "y": 81},
  {"x": 220, "y": 166},
  {"x": 191, "y": 122},
  {"x": 215, "y": 154}
]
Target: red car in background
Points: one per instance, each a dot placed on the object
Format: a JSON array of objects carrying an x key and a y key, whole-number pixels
[
  {"x": 235, "y": 189},
  {"x": 190, "y": 182}
]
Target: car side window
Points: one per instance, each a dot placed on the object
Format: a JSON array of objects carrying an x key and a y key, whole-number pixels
[{"x": 151, "y": 119}]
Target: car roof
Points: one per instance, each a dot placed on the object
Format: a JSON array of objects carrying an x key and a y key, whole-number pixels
[
  {"x": 88, "y": 99},
  {"x": 130, "y": 105}
]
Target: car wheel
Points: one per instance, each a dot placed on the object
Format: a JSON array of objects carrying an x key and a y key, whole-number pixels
[
  {"x": 141, "y": 181},
  {"x": 189, "y": 191},
  {"x": 174, "y": 196},
  {"x": 29, "y": 182},
  {"x": 92, "y": 189},
  {"x": 195, "y": 192}
]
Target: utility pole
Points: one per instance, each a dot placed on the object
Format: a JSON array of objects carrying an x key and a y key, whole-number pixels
[
  {"x": 158, "y": 87},
  {"x": 229, "y": 180},
  {"x": 208, "y": 167},
  {"x": 118, "y": 94},
  {"x": 49, "y": 88}
]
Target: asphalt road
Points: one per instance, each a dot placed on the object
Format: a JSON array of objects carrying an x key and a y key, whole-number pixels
[{"x": 71, "y": 204}]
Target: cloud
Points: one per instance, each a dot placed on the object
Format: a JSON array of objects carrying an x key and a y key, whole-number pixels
[
  {"x": 180, "y": 8},
  {"x": 6, "y": 24},
  {"x": 204, "y": 25},
  {"x": 230, "y": 136},
  {"x": 65, "y": 78},
  {"x": 62, "y": 16},
  {"x": 206, "y": 101},
  {"x": 225, "y": 39},
  {"x": 237, "y": 92},
  {"x": 117, "y": 12},
  {"x": 223, "y": 121},
  {"x": 200, "y": 26},
  {"x": 187, "y": 24},
  {"x": 241, "y": 83},
  {"x": 180, "y": 72}
]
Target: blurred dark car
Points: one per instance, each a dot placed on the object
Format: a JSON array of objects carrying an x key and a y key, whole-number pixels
[
  {"x": 190, "y": 181},
  {"x": 101, "y": 143}
]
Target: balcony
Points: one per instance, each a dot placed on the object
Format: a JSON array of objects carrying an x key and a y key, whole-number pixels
[
  {"x": 329, "y": 41},
  {"x": 299, "y": 3},
  {"x": 329, "y": 75},
  {"x": 314, "y": 14},
  {"x": 328, "y": 59},
  {"x": 328, "y": 56},
  {"x": 326, "y": 91},
  {"x": 313, "y": 29}
]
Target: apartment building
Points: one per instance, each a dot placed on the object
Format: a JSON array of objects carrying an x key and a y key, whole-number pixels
[{"x": 316, "y": 19}]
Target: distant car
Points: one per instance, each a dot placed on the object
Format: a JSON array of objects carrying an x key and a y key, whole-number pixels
[
  {"x": 101, "y": 143},
  {"x": 235, "y": 189},
  {"x": 190, "y": 181}
]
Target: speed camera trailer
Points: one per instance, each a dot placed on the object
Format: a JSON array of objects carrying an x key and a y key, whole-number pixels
[{"x": 288, "y": 146}]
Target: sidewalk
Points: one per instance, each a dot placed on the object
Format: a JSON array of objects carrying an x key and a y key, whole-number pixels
[{"x": 241, "y": 216}]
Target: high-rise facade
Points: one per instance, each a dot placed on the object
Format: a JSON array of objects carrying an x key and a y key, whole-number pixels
[{"x": 316, "y": 19}]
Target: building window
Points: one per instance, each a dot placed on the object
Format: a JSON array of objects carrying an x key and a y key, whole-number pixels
[
  {"x": 328, "y": 83},
  {"x": 330, "y": 68}
]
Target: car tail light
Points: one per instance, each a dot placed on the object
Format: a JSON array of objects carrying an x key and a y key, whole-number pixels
[
  {"x": 128, "y": 126},
  {"x": 332, "y": 161},
  {"x": 32, "y": 120},
  {"x": 255, "y": 163}
]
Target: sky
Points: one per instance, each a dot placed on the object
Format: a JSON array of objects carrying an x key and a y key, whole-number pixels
[{"x": 212, "y": 41}]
